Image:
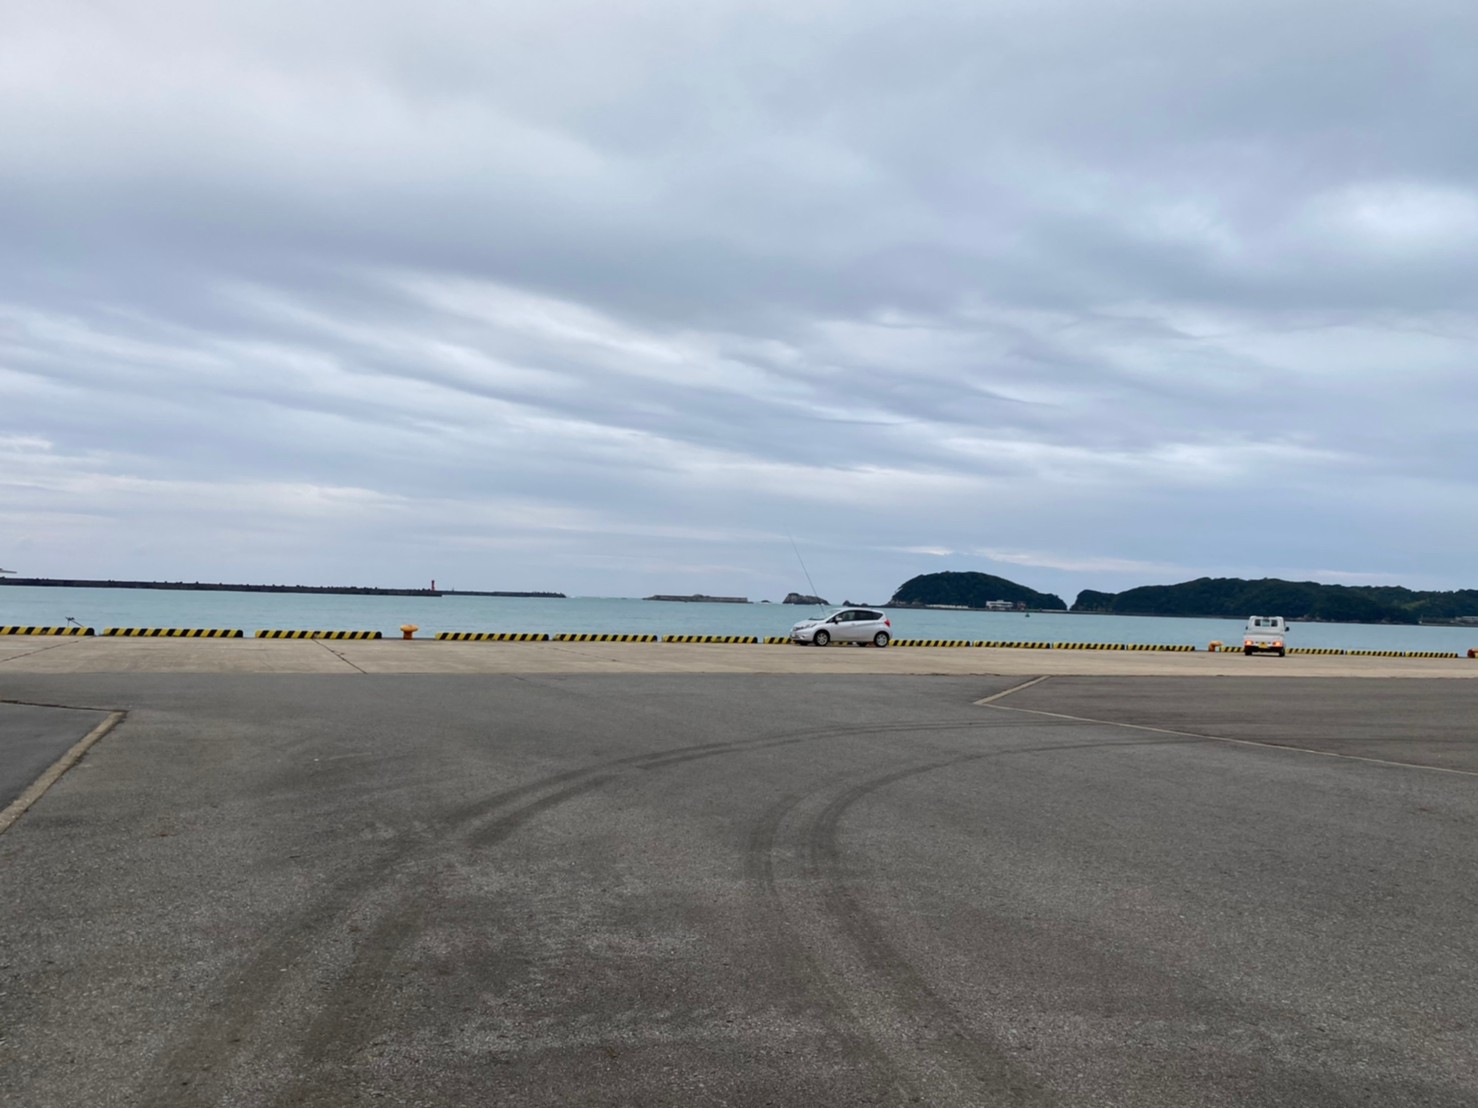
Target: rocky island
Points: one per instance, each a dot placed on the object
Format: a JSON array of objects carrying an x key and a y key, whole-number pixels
[
  {"x": 699, "y": 598},
  {"x": 802, "y": 598}
]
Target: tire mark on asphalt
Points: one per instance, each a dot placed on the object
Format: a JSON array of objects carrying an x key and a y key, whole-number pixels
[
  {"x": 400, "y": 926},
  {"x": 195, "y": 1066},
  {"x": 802, "y": 966},
  {"x": 946, "y": 1047},
  {"x": 193, "y": 1069},
  {"x": 349, "y": 1013},
  {"x": 876, "y": 1001}
]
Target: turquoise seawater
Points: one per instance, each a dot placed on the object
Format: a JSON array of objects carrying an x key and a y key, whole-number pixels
[{"x": 250, "y": 612}]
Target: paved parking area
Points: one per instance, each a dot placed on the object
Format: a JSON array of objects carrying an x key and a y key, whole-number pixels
[
  {"x": 678, "y": 889},
  {"x": 32, "y": 738},
  {"x": 20, "y": 655}
]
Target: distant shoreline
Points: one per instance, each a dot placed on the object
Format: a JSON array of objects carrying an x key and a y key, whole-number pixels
[{"x": 205, "y": 586}]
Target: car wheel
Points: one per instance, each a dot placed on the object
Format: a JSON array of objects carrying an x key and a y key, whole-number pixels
[
  {"x": 880, "y": 639},
  {"x": 1282, "y": 653},
  {"x": 821, "y": 638},
  {"x": 1247, "y": 650}
]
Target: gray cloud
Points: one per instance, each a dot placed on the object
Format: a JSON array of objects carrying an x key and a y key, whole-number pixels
[{"x": 615, "y": 299}]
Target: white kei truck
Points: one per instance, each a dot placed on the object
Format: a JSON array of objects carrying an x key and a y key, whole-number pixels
[{"x": 1265, "y": 635}]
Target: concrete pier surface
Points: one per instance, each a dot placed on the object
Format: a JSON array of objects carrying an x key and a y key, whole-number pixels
[
  {"x": 41, "y": 654},
  {"x": 301, "y": 873}
]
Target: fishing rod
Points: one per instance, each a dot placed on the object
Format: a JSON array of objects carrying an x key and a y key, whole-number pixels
[{"x": 814, "y": 594}]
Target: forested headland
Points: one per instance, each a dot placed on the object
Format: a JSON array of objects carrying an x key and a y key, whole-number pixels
[
  {"x": 970, "y": 590},
  {"x": 1207, "y": 597},
  {"x": 1233, "y": 597}
]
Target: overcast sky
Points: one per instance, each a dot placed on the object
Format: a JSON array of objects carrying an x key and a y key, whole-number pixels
[{"x": 617, "y": 297}]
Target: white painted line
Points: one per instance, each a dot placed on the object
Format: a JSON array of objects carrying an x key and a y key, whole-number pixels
[
  {"x": 1012, "y": 689},
  {"x": 17, "y": 807},
  {"x": 1223, "y": 738}
]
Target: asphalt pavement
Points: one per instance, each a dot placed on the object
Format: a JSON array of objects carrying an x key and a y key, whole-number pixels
[
  {"x": 32, "y": 738},
  {"x": 740, "y": 889}
]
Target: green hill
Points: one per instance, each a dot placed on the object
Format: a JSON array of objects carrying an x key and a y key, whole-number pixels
[
  {"x": 970, "y": 590},
  {"x": 1232, "y": 597}
]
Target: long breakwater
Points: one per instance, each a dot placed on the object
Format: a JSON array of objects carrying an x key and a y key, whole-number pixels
[{"x": 212, "y": 586}]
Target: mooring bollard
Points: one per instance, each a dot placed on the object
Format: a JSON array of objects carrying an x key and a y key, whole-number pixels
[
  {"x": 1213, "y": 646},
  {"x": 408, "y": 630}
]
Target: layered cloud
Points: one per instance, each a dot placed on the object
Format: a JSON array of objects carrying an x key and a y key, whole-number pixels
[{"x": 620, "y": 299}]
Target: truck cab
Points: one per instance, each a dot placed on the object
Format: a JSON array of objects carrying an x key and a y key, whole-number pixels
[{"x": 1265, "y": 635}]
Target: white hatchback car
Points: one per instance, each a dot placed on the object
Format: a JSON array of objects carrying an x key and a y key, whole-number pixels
[{"x": 859, "y": 625}]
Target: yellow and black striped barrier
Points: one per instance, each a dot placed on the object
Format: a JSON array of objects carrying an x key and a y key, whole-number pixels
[
  {"x": 711, "y": 638},
  {"x": 1307, "y": 650},
  {"x": 318, "y": 635},
  {"x": 564, "y": 636},
  {"x": 491, "y": 636},
  {"x": 1379, "y": 653},
  {"x": 172, "y": 633},
  {"x": 47, "y": 631},
  {"x": 1433, "y": 654},
  {"x": 932, "y": 642},
  {"x": 1008, "y": 645},
  {"x": 1153, "y": 646},
  {"x": 777, "y": 640}
]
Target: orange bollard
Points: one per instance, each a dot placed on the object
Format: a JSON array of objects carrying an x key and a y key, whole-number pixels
[{"x": 408, "y": 630}]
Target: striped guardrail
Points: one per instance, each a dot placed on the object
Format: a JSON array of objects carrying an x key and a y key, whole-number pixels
[
  {"x": 171, "y": 633},
  {"x": 491, "y": 636},
  {"x": 568, "y": 637},
  {"x": 319, "y": 635},
  {"x": 1014, "y": 645},
  {"x": 1178, "y": 648},
  {"x": 711, "y": 638},
  {"x": 932, "y": 642},
  {"x": 47, "y": 631},
  {"x": 1297, "y": 650},
  {"x": 777, "y": 640}
]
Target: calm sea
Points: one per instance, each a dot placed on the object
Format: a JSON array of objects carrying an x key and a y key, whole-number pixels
[{"x": 250, "y": 612}]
